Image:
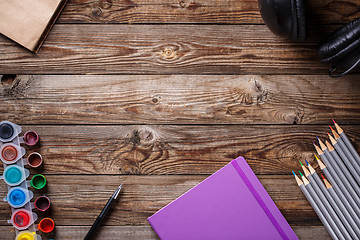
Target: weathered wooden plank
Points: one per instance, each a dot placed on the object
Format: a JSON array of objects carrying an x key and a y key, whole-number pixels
[
  {"x": 146, "y": 232},
  {"x": 163, "y": 49},
  {"x": 199, "y": 11},
  {"x": 179, "y": 99},
  {"x": 78, "y": 199},
  {"x": 307, "y": 232},
  {"x": 183, "y": 149}
]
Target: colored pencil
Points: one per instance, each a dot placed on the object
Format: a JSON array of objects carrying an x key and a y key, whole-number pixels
[
  {"x": 347, "y": 142},
  {"x": 354, "y": 169},
  {"x": 354, "y": 221},
  {"x": 336, "y": 158},
  {"x": 343, "y": 216},
  {"x": 337, "y": 229},
  {"x": 338, "y": 175},
  {"x": 316, "y": 208},
  {"x": 341, "y": 191},
  {"x": 338, "y": 191},
  {"x": 322, "y": 145},
  {"x": 342, "y": 223},
  {"x": 345, "y": 149}
]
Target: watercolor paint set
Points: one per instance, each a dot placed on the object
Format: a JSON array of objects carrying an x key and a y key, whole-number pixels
[{"x": 15, "y": 176}]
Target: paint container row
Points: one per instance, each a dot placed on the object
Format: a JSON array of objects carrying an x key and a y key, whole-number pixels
[
  {"x": 15, "y": 175},
  {"x": 9, "y": 131},
  {"x": 17, "y": 197},
  {"x": 22, "y": 219},
  {"x": 11, "y": 153}
]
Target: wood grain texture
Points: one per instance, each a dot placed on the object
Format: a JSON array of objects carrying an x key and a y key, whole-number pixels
[
  {"x": 145, "y": 232},
  {"x": 196, "y": 12},
  {"x": 164, "y": 49},
  {"x": 78, "y": 199},
  {"x": 179, "y": 99},
  {"x": 181, "y": 149},
  {"x": 191, "y": 85}
]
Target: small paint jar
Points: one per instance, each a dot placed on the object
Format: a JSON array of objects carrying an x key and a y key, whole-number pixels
[
  {"x": 31, "y": 138},
  {"x": 15, "y": 175},
  {"x": 11, "y": 153},
  {"x": 27, "y": 235},
  {"x": 34, "y": 159},
  {"x": 38, "y": 181},
  {"x": 42, "y": 203},
  {"x": 22, "y": 219},
  {"x": 17, "y": 197},
  {"x": 46, "y": 225},
  {"x": 8, "y": 131}
]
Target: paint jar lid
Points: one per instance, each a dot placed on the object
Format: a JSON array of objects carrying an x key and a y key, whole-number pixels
[
  {"x": 14, "y": 175},
  {"x": 27, "y": 235},
  {"x": 42, "y": 203},
  {"x": 11, "y": 153},
  {"x": 38, "y": 181},
  {"x": 17, "y": 197},
  {"x": 34, "y": 159},
  {"x": 8, "y": 131},
  {"x": 46, "y": 225},
  {"x": 22, "y": 219},
  {"x": 31, "y": 138}
]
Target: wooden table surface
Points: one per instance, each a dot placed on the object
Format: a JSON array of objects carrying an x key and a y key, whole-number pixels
[{"x": 163, "y": 93}]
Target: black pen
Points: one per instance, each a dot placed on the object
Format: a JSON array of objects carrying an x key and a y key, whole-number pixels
[{"x": 102, "y": 215}]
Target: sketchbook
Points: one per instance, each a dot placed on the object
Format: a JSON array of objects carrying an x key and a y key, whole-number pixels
[
  {"x": 28, "y": 22},
  {"x": 230, "y": 204}
]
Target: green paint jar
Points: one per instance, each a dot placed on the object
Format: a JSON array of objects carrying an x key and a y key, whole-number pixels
[{"x": 38, "y": 181}]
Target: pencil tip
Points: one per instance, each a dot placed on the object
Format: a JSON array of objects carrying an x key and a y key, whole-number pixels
[
  {"x": 333, "y": 121},
  {"x": 301, "y": 163},
  {"x": 301, "y": 174},
  {"x": 307, "y": 163},
  {"x": 322, "y": 176},
  {"x": 317, "y": 138},
  {"x": 331, "y": 128},
  {"x": 294, "y": 173},
  {"x": 316, "y": 157}
]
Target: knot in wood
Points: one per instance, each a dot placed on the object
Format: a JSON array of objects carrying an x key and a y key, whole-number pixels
[
  {"x": 168, "y": 53},
  {"x": 143, "y": 137},
  {"x": 17, "y": 86},
  {"x": 155, "y": 100},
  {"x": 7, "y": 79},
  {"x": 96, "y": 11},
  {"x": 182, "y": 4},
  {"x": 106, "y": 4}
]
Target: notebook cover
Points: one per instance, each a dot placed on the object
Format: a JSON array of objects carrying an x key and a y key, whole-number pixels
[
  {"x": 230, "y": 204},
  {"x": 28, "y": 22}
]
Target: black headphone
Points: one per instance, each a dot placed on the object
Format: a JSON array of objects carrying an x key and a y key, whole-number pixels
[{"x": 286, "y": 18}]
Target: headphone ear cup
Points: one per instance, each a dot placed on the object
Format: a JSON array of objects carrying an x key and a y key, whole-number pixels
[
  {"x": 294, "y": 21},
  {"x": 278, "y": 16},
  {"x": 301, "y": 20},
  {"x": 340, "y": 43}
]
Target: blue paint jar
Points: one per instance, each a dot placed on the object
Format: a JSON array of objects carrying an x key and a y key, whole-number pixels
[{"x": 17, "y": 197}]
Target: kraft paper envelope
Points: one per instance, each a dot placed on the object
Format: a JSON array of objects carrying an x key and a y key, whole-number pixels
[{"x": 28, "y": 22}]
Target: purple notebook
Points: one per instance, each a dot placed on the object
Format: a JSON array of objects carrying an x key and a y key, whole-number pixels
[{"x": 230, "y": 204}]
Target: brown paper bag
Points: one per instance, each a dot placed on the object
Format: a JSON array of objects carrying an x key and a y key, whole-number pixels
[{"x": 28, "y": 22}]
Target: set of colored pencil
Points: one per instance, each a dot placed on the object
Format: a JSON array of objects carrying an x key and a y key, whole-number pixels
[{"x": 336, "y": 204}]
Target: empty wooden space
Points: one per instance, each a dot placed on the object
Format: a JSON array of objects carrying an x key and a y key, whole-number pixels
[{"x": 162, "y": 94}]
